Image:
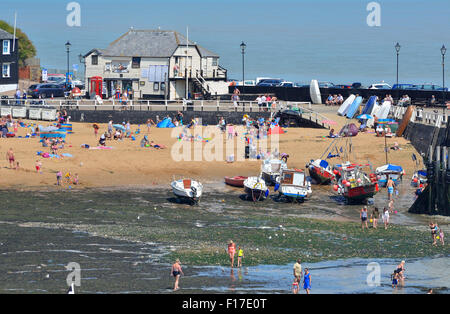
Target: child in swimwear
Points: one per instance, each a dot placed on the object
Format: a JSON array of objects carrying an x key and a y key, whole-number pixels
[
  {"x": 395, "y": 277},
  {"x": 240, "y": 256},
  {"x": 441, "y": 236},
  {"x": 38, "y": 166},
  {"x": 295, "y": 287}
]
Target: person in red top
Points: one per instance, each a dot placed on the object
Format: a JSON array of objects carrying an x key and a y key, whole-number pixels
[{"x": 231, "y": 251}]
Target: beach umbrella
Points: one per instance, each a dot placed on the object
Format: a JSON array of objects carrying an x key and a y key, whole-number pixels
[
  {"x": 119, "y": 127},
  {"x": 364, "y": 117}
]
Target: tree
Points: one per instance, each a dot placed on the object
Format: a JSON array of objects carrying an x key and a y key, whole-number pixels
[{"x": 26, "y": 47}]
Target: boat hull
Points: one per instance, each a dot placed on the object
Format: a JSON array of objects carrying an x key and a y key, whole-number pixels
[
  {"x": 255, "y": 194},
  {"x": 320, "y": 176},
  {"x": 360, "y": 193},
  {"x": 235, "y": 181}
]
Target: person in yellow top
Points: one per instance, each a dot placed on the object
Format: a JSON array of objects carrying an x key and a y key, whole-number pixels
[{"x": 240, "y": 256}]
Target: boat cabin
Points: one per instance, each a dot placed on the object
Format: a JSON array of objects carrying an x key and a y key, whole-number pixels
[{"x": 293, "y": 177}]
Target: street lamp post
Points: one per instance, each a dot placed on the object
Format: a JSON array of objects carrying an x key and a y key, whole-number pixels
[
  {"x": 243, "y": 46},
  {"x": 68, "y": 51},
  {"x": 397, "y": 48},
  {"x": 443, "y": 51}
]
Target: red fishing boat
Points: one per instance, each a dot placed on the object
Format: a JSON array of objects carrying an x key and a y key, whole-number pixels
[
  {"x": 320, "y": 171},
  {"x": 354, "y": 184},
  {"x": 237, "y": 181}
]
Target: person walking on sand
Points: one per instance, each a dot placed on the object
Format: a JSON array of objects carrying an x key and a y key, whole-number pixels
[
  {"x": 231, "y": 251},
  {"x": 386, "y": 218},
  {"x": 58, "y": 178},
  {"x": 390, "y": 187},
  {"x": 240, "y": 256},
  {"x": 307, "y": 281},
  {"x": 10, "y": 157},
  {"x": 176, "y": 272},
  {"x": 298, "y": 271},
  {"x": 374, "y": 217},
  {"x": 441, "y": 235},
  {"x": 363, "y": 217}
]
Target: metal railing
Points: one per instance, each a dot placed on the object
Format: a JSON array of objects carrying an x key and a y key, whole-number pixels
[{"x": 419, "y": 115}]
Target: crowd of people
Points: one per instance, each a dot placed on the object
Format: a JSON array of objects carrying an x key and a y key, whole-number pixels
[{"x": 334, "y": 100}]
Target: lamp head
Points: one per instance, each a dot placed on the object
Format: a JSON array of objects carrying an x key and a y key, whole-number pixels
[{"x": 397, "y": 47}]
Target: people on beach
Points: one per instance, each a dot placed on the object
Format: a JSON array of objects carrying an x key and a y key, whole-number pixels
[
  {"x": 240, "y": 256},
  {"x": 400, "y": 272},
  {"x": 307, "y": 281},
  {"x": 441, "y": 236},
  {"x": 176, "y": 272},
  {"x": 157, "y": 146},
  {"x": 297, "y": 271},
  {"x": 231, "y": 251},
  {"x": 390, "y": 187},
  {"x": 38, "y": 166},
  {"x": 102, "y": 140},
  {"x": 386, "y": 218},
  {"x": 434, "y": 232},
  {"x": 10, "y": 158},
  {"x": 395, "y": 278},
  {"x": 363, "y": 217},
  {"x": 58, "y": 177},
  {"x": 374, "y": 217},
  {"x": 95, "y": 126}
]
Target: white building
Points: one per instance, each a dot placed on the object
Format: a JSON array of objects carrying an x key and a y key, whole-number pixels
[{"x": 155, "y": 64}]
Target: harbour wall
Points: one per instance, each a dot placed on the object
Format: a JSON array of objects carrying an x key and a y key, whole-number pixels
[
  {"x": 422, "y": 136},
  {"x": 141, "y": 117}
]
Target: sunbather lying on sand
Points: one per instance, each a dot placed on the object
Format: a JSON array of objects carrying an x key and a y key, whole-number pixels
[{"x": 157, "y": 146}]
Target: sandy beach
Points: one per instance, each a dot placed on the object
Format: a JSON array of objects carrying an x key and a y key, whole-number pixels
[{"x": 127, "y": 164}]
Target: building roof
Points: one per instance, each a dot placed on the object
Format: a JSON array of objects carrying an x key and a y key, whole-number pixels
[
  {"x": 5, "y": 35},
  {"x": 150, "y": 43}
]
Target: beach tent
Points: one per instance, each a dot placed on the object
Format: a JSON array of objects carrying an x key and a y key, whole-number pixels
[
  {"x": 66, "y": 127},
  {"x": 166, "y": 123},
  {"x": 275, "y": 130},
  {"x": 349, "y": 130}
]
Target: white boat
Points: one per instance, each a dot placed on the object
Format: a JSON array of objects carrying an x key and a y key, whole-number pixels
[
  {"x": 314, "y": 92},
  {"x": 271, "y": 170},
  {"x": 256, "y": 188},
  {"x": 343, "y": 108},
  {"x": 293, "y": 185},
  {"x": 187, "y": 189}
]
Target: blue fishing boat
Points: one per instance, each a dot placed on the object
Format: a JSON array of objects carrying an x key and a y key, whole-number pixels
[{"x": 389, "y": 171}]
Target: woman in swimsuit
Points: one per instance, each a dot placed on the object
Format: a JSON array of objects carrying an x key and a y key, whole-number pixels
[
  {"x": 386, "y": 218},
  {"x": 363, "y": 216},
  {"x": 176, "y": 272},
  {"x": 231, "y": 251}
]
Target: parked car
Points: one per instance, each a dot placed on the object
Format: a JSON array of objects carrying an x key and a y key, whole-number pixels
[
  {"x": 270, "y": 82},
  {"x": 344, "y": 86},
  {"x": 405, "y": 86},
  {"x": 247, "y": 83},
  {"x": 326, "y": 85},
  {"x": 357, "y": 85},
  {"x": 381, "y": 85},
  {"x": 45, "y": 90},
  {"x": 301, "y": 85},
  {"x": 430, "y": 87},
  {"x": 287, "y": 84}
]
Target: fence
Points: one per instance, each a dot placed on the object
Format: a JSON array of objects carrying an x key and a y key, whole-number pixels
[
  {"x": 419, "y": 115},
  {"x": 46, "y": 109}
]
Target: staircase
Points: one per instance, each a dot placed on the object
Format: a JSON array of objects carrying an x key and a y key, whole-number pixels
[{"x": 200, "y": 84}]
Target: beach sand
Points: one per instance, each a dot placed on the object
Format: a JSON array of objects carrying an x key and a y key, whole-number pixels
[{"x": 128, "y": 165}]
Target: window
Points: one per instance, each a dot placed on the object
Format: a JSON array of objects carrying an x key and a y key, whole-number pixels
[
  {"x": 163, "y": 86},
  {"x": 214, "y": 62},
  {"x": 136, "y": 63},
  {"x": 6, "y": 70},
  {"x": 155, "y": 86},
  {"x": 6, "y": 45},
  {"x": 94, "y": 60}
]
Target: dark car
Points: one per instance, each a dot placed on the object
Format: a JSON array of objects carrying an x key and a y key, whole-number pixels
[
  {"x": 430, "y": 87},
  {"x": 405, "y": 86},
  {"x": 45, "y": 91}
]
